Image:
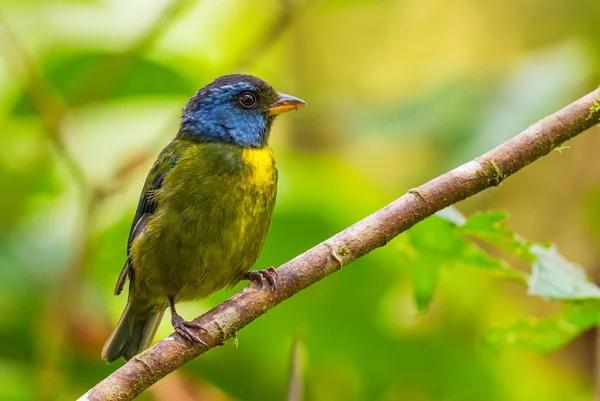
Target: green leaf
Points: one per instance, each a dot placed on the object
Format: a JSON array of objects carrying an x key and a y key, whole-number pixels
[
  {"x": 488, "y": 227},
  {"x": 85, "y": 78},
  {"x": 548, "y": 334},
  {"x": 556, "y": 278},
  {"x": 435, "y": 244},
  {"x": 443, "y": 241},
  {"x": 438, "y": 236},
  {"x": 553, "y": 276},
  {"x": 424, "y": 276}
]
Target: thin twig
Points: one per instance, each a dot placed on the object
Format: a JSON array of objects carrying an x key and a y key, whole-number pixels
[
  {"x": 296, "y": 386},
  {"x": 51, "y": 108},
  {"x": 368, "y": 234},
  {"x": 53, "y": 114},
  {"x": 162, "y": 24},
  {"x": 113, "y": 70},
  {"x": 288, "y": 11}
]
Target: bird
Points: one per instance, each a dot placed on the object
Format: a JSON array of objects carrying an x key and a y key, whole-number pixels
[{"x": 204, "y": 211}]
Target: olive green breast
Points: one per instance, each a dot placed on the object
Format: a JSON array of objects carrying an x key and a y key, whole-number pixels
[{"x": 214, "y": 211}]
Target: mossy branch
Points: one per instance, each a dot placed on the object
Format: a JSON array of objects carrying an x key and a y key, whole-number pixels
[{"x": 368, "y": 234}]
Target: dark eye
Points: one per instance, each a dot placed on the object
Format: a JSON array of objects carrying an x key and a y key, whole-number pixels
[{"x": 247, "y": 99}]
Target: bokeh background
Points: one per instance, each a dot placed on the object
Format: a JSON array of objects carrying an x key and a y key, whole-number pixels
[{"x": 398, "y": 92}]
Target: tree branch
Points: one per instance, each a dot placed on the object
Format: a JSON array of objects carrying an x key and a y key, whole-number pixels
[{"x": 370, "y": 233}]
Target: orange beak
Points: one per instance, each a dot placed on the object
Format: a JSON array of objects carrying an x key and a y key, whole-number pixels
[{"x": 285, "y": 103}]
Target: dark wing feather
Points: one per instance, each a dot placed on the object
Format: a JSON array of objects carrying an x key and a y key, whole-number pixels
[
  {"x": 125, "y": 272},
  {"x": 148, "y": 204}
]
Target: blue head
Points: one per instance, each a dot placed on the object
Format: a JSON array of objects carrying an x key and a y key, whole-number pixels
[{"x": 235, "y": 108}]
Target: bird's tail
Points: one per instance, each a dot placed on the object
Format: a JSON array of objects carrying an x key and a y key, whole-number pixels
[{"x": 131, "y": 336}]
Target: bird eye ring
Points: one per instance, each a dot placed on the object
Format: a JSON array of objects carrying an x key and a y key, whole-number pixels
[{"x": 247, "y": 99}]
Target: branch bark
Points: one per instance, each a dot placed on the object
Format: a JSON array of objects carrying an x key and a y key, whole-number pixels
[{"x": 368, "y": 234}]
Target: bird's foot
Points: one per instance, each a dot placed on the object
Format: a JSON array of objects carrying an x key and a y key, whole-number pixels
[
  {"x": 184, "y": 329},
  {"x": 259, "y": 276}
]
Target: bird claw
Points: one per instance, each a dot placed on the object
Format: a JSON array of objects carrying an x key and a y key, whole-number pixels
[
  {"x": 259, "y": 276},
  {"x": 184, "y": 329}
]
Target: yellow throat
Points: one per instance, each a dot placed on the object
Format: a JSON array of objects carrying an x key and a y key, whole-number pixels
[{"x": 261, "y": 162}]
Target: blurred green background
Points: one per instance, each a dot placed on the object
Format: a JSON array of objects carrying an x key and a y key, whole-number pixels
[{"x": 398, "y": 92}]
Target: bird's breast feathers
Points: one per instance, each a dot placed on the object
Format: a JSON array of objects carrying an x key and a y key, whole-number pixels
[
  {"x": 261, "y": 163},
  {"x": 214, "y": 211}
]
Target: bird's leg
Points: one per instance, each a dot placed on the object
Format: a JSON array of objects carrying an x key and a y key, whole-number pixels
[
  {"x": 182, "y": 327},
  {"x": 269, "y": 274}
]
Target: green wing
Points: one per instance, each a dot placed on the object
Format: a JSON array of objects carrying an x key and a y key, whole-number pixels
[{"x": 147, "y": 204}]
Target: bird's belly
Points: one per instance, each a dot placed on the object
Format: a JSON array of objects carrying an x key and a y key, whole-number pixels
[{"x": 195, "y": 245}]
